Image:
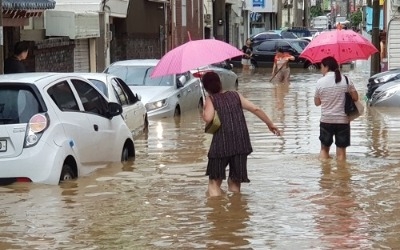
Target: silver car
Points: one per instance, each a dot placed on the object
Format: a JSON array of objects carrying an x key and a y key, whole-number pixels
[
  {"x": 229, "y": 79},
  {"x": 387, "y": 95},
  {"x": 116, "y": 90},
  {"x": 165, "y": 96}
]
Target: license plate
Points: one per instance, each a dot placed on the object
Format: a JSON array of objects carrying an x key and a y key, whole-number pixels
[{"x": 3, "y": 145}]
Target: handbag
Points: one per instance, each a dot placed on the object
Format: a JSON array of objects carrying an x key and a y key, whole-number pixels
[
  {"x": 214, "y": 125},
  {"x": 350, "y": 107}
]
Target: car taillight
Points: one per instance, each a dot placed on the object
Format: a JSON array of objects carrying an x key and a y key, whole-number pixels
[
  {"x": 37, "y": 124},
  {"x": 200, "y": 74}
]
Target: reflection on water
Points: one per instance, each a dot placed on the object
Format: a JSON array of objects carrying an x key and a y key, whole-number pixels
[
  {"x": 229, "y": 218},
  {"x": 293, "y": 202}
]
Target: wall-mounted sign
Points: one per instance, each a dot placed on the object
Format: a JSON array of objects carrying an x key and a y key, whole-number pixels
[{"x": 259, "y": 3}]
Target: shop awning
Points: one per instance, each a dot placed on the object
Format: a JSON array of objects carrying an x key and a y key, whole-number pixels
[{"x": 28, "y": 4}]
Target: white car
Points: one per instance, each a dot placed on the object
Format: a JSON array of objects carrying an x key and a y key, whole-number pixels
[
  {"x": 56, "y": 126},
  {"x": 116, "y": 90},
  {"x": 164, "y": 96}
]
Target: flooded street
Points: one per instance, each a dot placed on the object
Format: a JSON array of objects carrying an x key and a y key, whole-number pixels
[{"x": 294, "y": 201}]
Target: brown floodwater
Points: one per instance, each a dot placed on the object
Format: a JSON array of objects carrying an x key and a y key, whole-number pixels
[{"x": 294, "y": 201}]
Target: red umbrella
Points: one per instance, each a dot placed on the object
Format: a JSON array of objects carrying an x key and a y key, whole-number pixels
[
  {"x": 194, "y": 54},
  {"x": 343, "y": 45}
]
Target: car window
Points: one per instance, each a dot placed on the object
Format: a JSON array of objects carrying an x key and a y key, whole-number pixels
[
  {"x": 186, "y": 74},
  {"x": 100, "y": 85},
  {"x": 91, "y": 99},
  {"x": 139, "y": 76},
  {"x": 63, "y": 97},
  {"x": 288, "y": 35},
  {"x": 132, "y": 98},
  {"x": 17, "y": 105},
  {"x": 299, "y": 45},
  {"x": 267, "y": 46},
  {"x": 284, "y": 46},
  {"x": 119, "y": 93}
]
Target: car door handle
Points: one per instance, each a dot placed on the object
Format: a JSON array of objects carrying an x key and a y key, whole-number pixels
[{"x": 96, "y": 127}]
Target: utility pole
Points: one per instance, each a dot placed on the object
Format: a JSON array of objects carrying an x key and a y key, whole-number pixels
[
  {"x": 1, "y": 39},
  {"x": 375, "y": 58}
]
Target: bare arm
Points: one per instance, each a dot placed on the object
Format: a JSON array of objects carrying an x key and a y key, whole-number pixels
[
  {"x": 354, "y": 95},
  {"x": 317, "y": 101},
  {"x": 248, "y": 105},
  {"x": 273, "y": 68},
  {"x": 208, "y": 110}
]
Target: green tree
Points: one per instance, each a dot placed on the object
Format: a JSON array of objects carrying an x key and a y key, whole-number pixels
[
  {"x": 316, "y": 11},
  {"x": 356, "y": 18}
]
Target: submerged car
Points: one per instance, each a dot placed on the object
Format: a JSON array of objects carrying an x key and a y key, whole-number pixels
[
  {"x": 229, "y": 79},
  {"x": 164, "y": 96},
  {"x": 264, "y": 54},
  {"x": 116, "y": 90},
  {"x": 56, "y": 126},
  {"x": 387, "y": 95},
  {"x": 380, "y": 79}
]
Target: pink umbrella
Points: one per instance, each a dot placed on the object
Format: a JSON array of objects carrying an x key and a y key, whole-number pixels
[
  {"x": 343, "y": 45},
  {"x": 194, "y": 54}
]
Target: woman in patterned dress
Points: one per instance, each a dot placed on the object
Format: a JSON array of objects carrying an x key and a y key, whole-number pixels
[{"x": 231, "y": 143}]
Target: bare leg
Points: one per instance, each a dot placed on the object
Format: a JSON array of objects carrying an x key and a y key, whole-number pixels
[
  {"x": 286, "y": 76},
  {"x": 324, "y": 153},
  {"x": 214, "y": 187},
  {"x": 341, "y": 154},
  {"x": 233, "y": 186}
]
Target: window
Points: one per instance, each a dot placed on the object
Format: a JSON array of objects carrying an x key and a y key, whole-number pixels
[
  {"x": 119, "y": 93},
  {"x": 100, "y": 85},
  {"x": 63, "y": 97},
  {"x": 128, "y": 92},
  {"x": 267, "y": 46},
  {"x": 92, "y": 100},
  {"x": 17, "y": 105},
  {"x": 285, "y": 46}
]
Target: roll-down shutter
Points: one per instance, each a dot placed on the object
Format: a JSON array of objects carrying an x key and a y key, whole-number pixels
[{"x": 81, "y": 55}]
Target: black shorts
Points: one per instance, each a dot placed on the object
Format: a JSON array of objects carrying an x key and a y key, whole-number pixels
[
  {"x": 237, "y": 168},
  {"x": 340, "y": 131}
]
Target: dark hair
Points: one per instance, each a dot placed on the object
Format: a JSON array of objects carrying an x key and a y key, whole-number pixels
[
  {"x": 333, "y": 66},
  {"x": 20, "y": 47},
  {"x": 211, "y": 82},
  {"x": 280, "y": 50}
]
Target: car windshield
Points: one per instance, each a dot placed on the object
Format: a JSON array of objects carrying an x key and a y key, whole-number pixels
[
  {"x": 100, "y": 85},
  {"x": 139, "y": 76},
  {"x": 17, "y": 105},
  {"x": 299, "y": 45}
]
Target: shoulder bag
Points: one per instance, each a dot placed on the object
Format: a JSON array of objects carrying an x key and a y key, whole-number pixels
[
  {"x": 214, "y": 125},
  {"x": 350, "y": 107}
]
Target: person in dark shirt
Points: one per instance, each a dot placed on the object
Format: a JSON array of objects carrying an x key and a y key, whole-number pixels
[{"x": 14, "y": 63}]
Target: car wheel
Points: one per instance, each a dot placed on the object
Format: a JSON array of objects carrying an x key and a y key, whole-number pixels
[
  {"x": 177, "y": 112},
  {"x": 237, "y": 84},
  {"x": 146, "y": 125},
  {"x": 200, "y": 105},
  {"x": 125, "y": 154},
  {"x": 67, "y": 173},
  {"x": 311, "y": 67}
]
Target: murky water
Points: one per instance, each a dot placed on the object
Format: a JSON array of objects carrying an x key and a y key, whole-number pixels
[{"x": 293, "y": 201}]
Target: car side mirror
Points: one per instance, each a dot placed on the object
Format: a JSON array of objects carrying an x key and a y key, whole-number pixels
[
  {"x": 114, "y": 109},
  {"x": 181, "y": 81},
  {"x": 139, "y": 97}
]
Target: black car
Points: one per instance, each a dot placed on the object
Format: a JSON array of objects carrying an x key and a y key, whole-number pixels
[
  {"x": 264, "y": 36},
  {"x": 264, "y": 54},
  {"x": 379, "y": 79}
]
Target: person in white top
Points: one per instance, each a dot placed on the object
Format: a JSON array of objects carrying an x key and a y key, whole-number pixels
[{"x": 330, "y": 95}]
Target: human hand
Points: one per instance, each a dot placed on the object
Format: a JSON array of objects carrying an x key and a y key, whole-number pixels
[{"x": 274, "y": 130}]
